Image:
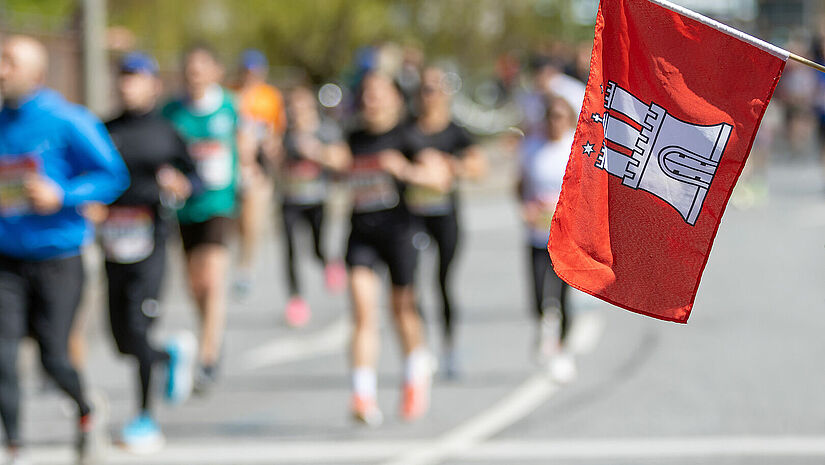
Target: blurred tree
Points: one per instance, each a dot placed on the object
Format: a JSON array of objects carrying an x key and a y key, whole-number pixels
[
  {"x": 40, "y": 15},
  {"x": 321, "y": 36}
]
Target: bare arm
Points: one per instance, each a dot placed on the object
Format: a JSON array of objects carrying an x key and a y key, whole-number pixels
[
  {"x": 431, "y": 169},
  {"x": 473, "y": 165}
]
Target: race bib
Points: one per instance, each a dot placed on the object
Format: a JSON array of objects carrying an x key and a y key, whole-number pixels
[
  {"x": 424, "y": 201},
  {"x": 128, "y": 234},
  {"x": 304, "y": 183},
  {"x": 373, "y": 189},
  {"x": 13, "y": 171},
  {"x": 213, "y": 161}
]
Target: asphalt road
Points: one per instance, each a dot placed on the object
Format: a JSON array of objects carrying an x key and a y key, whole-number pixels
[{"x": 742, "y": 383}]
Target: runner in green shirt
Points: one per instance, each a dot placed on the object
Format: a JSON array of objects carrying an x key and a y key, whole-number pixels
[{"x": 207, "y": 120}]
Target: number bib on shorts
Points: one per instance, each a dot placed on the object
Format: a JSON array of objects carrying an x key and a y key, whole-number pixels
[
  {"x": 373, "y": 189},
  {"x": 304, "y": 183},
  {"x": 214, "y": 163},
  {"x": 424, "y": 201},
  {"x": 128, "y": 234},
  {"x": 13, "y": 171}
]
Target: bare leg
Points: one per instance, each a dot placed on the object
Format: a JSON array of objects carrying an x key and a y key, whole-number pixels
[
  {"x": 252, "y": 213},
  {"x": 207, "y": 265},
  {"x": 365, "y": 342},
  {"x": 407, "y": 319}
]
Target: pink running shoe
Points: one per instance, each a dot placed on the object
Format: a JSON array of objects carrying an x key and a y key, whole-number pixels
[
  {"x": 297, "y": 312},
  {"x": 335, "y": 275}
]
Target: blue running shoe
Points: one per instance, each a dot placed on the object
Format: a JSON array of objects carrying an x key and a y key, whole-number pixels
[
  {"x": 142, "y": 435},
  {"x": 181, "y": 348}
]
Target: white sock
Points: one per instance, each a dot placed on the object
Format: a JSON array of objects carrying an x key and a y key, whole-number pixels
[
  {"x": 364, "y": 382},
  {"x": 417, "y": 365}
]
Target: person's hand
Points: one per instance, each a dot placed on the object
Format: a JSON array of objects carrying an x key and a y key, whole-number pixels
[
  {"x": 309, "y": 146},
  {"x": 45, "y": 196},
  {"x": 95, "y": 212},
  {"x": 174, "y": 183},
  {"x": 393, "y": 162},
  {"x": 537, "y": 213},
  {"x": 530, "y": 212},
  {"x": 437, "y": 170}
]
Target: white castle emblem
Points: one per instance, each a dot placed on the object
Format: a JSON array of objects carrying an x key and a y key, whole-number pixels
[{"x": 669, "y": 158}]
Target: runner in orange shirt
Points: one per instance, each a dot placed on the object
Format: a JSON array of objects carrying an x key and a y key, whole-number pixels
[{"x": 263, "y": 117}]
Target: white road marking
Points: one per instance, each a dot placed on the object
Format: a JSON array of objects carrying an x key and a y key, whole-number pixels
[
  {"x": 520, "y": 403},
  {"x": 331, "y": 339},
  {"x": 686, "y": 447},
  {"x": 247, "y": 452}
]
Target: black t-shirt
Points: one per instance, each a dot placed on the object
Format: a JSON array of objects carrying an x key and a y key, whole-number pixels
[
  {"x": 378, "y": 200},
  {"x": 303, "y": 181},
  {"x": 452, "y": 140},
  {"x": 147, "y": 142}
]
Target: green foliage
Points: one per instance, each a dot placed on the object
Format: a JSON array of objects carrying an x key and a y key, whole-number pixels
[
  {"x": 321, "y": 36},
  {"x": 42, "y": 15}
]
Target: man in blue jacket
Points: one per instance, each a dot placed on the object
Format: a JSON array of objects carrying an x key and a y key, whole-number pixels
[{"x": 55, "y": 157}]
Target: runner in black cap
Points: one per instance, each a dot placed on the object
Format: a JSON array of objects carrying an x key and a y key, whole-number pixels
[{"x": 133, "y": 236}]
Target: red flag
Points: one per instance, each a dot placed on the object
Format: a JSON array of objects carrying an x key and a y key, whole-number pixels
[{"x": 672, "y": 107}]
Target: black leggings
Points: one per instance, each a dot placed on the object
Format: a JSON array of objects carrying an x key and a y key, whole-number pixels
[
  {"x": 444, "y": 231},
  {"x": 40, "y": 299},
  {"x": 133, "y": 308},
  {"x": 549, "y": 290},
  {"x": 312, "y": 214}
]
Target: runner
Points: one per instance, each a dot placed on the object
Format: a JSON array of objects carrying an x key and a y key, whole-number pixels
[
  {"x": 311, "y": 146},
  {"x": 134, "y": 242},
  {"x": 54, "y": 158},
  {"x": 262, "y": 114},
  {"x": 382, "y": 232},
  {"x": 543, "y": 164},
  {"x": 206, "y": 118},
  {"x": 434, "y": 132}
]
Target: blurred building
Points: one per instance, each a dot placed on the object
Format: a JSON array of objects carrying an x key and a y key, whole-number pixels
[{"x": 781, "y": 17}]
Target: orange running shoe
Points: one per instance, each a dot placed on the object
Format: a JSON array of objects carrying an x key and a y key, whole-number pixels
[
  {"x": 365, "y": 410},
  {"x": 335, "y": 277},
  {"x": 297, "y": 312},
  {"x": 416, "y": 399}
]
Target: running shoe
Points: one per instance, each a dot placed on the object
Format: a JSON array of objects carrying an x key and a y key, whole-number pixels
[
  {"x": 335, "y": 277},
  {"x": 416, "y": 399},
  {"x": 562, "y": 368},
  {"x": 142, "y": 436},
  {"x": 450, "y": 361},
  {"x": 297, "y": 312},
  {"x": 92, "y": 437},
  {"x": 365, "y": 410},
  {"x": 180, "y": 369},
  {"x": 242, "y": 288},
  {"x": 17, "y": 458},
  {"x": 548, "y": 342},
  {"x": 205, "y": 379}
]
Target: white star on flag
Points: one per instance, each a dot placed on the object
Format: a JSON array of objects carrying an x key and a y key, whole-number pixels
[{"x": 588, "y": 148}]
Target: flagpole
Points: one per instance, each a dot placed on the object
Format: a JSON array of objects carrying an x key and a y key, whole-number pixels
[{"x": 807, "y": 62}]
